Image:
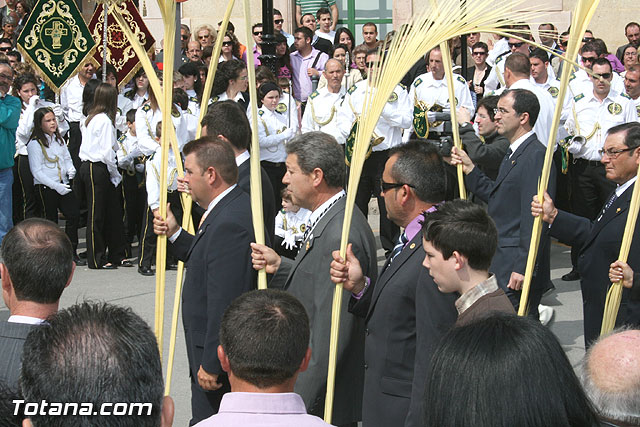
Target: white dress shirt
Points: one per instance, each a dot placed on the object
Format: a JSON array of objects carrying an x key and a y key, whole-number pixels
[
  {"x": 396, "y": 115},
  {"x": 518, "y": 142},
  {"x": 496, "y": 75},
  {"x": 47, "y": 172},
  {"x": 146, "y": 122},
  {"x": 587, "y": 113},
  {"x": 153, "y": 167},
  {"x": 25, "y": 125},
  {"x": 321, "y": 113},
  {"x": 71, "y": 99},
  {"x": 99, "y": 144},
  {"x": 580, "y": 82}
]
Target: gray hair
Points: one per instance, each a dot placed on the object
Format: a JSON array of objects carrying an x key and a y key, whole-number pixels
[
  {"x": 421, "y": 166},
  {"x": 319, "y": 150},
  {"x": 622, "y": 406}
]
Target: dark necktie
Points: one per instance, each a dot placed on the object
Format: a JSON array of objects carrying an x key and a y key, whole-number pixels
[
  {"x": 402, "y": 240},
  {"x": 612, "y": 199}
]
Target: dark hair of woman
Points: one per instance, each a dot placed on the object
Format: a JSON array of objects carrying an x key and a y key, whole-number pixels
[
  {"x": 191, "y": 69},
  {"x": 37, "y": 133},
  {"x": 339, "y": 31},
  {"x": 23, "y": 79},
  {"x": 228, "y": 70},
  {"x": 235, "y": 47},
  {"x": 105, "y": 101},
  {"x": 504, "y": 371},
  {"x": 284, "y": 60},
  {"x": 88, "y": 94}
]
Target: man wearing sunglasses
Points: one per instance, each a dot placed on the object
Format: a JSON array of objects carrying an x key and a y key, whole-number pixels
[
  {"x": 580, "y": 81},
  {"x": 599, "y": 238},
  {"x": 405, "y": 314},
  {"x": 496, "y": 76},
  {"x": 278, "y": 24}
]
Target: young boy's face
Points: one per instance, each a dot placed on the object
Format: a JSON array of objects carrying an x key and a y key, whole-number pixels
[
  {"x": 132, "y": 128},
  {"x": 288, "y": 206},
  {"x": 441, "y": 270},
  {"x": 325, "y": 23}
]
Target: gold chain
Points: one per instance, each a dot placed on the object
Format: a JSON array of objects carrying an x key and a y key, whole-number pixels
[
  {"x": 55, "y": 160},
  {"x": 315, "y": 119}
]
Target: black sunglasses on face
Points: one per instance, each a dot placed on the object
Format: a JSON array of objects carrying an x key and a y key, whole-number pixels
[
  {"x": 386, "y": 186},
  {"x": 257, "y": 33},
  {"x": 278, "y": 21},
  {"x": 5, "y": 49},
  {"x": 605, "y": 76},
  {"x": 516, "y": 45},
  {"x": 227, "y": 43},
  {"x": 589, "y": 58},
  {"x": 478, "y": 53}
]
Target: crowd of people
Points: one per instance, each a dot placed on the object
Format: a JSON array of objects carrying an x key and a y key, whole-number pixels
[{"x": 435, "y": 323}]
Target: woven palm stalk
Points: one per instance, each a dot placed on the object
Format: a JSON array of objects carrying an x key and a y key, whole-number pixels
[
  {"x": 448, "y": 70},
  {"x": 614, "y": 296},
  {"x": 412, "y": 41},
  {"x": 256, "y": 182},
  {"x": 580, "y": 20}
]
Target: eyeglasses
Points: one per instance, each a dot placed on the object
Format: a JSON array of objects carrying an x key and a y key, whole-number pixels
[
  {"x": 184, "y": 37},
  {"x": 589, "y": 58},
  {"x": 613, "y": 154},
  {"x": 630, "y": 53},
  {"x": 478, "y": 53},
  {"x": 227, "y": 43},
  {"x": 257, "y": 33},
  {"x": 605, "y": 76},
  {"x": 588, "y": 39},
  {"x": 5, "y": 49},
  {"x": 204, "y": 37},
  {"x": 516, "y": 45},
  {"x": 499, "y": 110},
  {"x": 278, "y": 21},
  {"x": 386, "y": 186}
]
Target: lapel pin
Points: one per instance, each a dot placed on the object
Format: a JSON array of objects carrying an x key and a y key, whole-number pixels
[
  {"x": 411, "y": 246},
  {"x": 308, "y": 245},
  {"x": 513, "y": 162},
  {"x": 618, "y": 210}
]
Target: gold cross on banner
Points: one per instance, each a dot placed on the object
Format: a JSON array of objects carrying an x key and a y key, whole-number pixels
[{"x": 56, "y": 33}]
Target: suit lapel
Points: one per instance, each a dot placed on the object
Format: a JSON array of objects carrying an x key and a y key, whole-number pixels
[
  {"x": 212, "y": 215},
  {"x": 507, "y": 166},
  {"x": 317, "y": 231},
  {"x": 619, "y": 207},
  {"x": 389, "y": 270}
]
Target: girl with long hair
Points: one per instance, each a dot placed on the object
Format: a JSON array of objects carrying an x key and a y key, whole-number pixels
[
  {"x": 140, "y": 92},
  {"x": 53, "y": 170},
  {"x": 231, "y": 82},
  {"x": 99, "y": 179}
]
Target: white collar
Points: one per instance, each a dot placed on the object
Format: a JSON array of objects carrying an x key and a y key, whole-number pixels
[
  {"x": 27, "y": 320},
  {"x": 321, "y": 210},
  {"x": 622, "y": 188},
  {"x": 215, "y": 201},
  {"x": 518, "y": 142},
  {"x": 242, "y": 157}
]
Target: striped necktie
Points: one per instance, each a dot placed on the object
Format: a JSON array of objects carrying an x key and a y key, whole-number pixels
[{"x": 402, "y": 241}]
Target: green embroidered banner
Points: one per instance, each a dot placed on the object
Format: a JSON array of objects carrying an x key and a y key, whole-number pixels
[{"x": 56, "y": 40}]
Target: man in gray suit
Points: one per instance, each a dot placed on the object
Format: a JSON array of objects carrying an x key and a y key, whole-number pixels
[
  {"x": 37, "y": 265},
  {"x": 405, "y": 313},
  {"x": 314, "y": 177},
  {"x": 509, "y": 196}
]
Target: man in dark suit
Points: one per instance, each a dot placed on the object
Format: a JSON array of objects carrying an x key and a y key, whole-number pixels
[
  {"x": 226, "y": 120},
  {"x": 403, "y": 307},
  {"x": 509, "y": 196},
  {"x": 315, "y": 176},
  {"x": 218, "y": 263},
  {"x": 599, "y": 241},
  {"x": 37, "y": 264}
]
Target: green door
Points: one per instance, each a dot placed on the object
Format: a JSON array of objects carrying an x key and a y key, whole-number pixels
[{"x": 354, "y": 13}]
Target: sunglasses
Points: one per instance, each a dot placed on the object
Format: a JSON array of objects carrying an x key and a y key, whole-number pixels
[
  {"x": 605, "y": 76},
  {"x": 516, "y": 45},
  {"x": 386, "y": 186},
  {"x": 589, "y": 58},
  {"x": 278, "y": 21},
  {"x": 372, "y": 64},
  {"x": 479, "y": 53},
  {"x": 227, "y": 43},
  {"x": 5, "y": 49},
  {"x": 588, "y": 39},
  {"x": 184, "y": 37},
  {"x": 204, "y": 37},
  {"x": 257, "y": 33}
]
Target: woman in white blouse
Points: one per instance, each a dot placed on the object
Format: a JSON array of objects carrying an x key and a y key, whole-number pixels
[
  {"x": 277, "y": 124},
  {"x": 99, "y": 179},
  {"x": 231, "y": 82},
  {"x": 52, "y": 170}
]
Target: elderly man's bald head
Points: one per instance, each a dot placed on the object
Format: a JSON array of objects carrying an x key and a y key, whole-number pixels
[{"x": 610, "y": 374}]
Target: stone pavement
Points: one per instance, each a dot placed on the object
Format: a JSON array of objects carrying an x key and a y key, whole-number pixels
[{"x": 126, "y": 287}]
